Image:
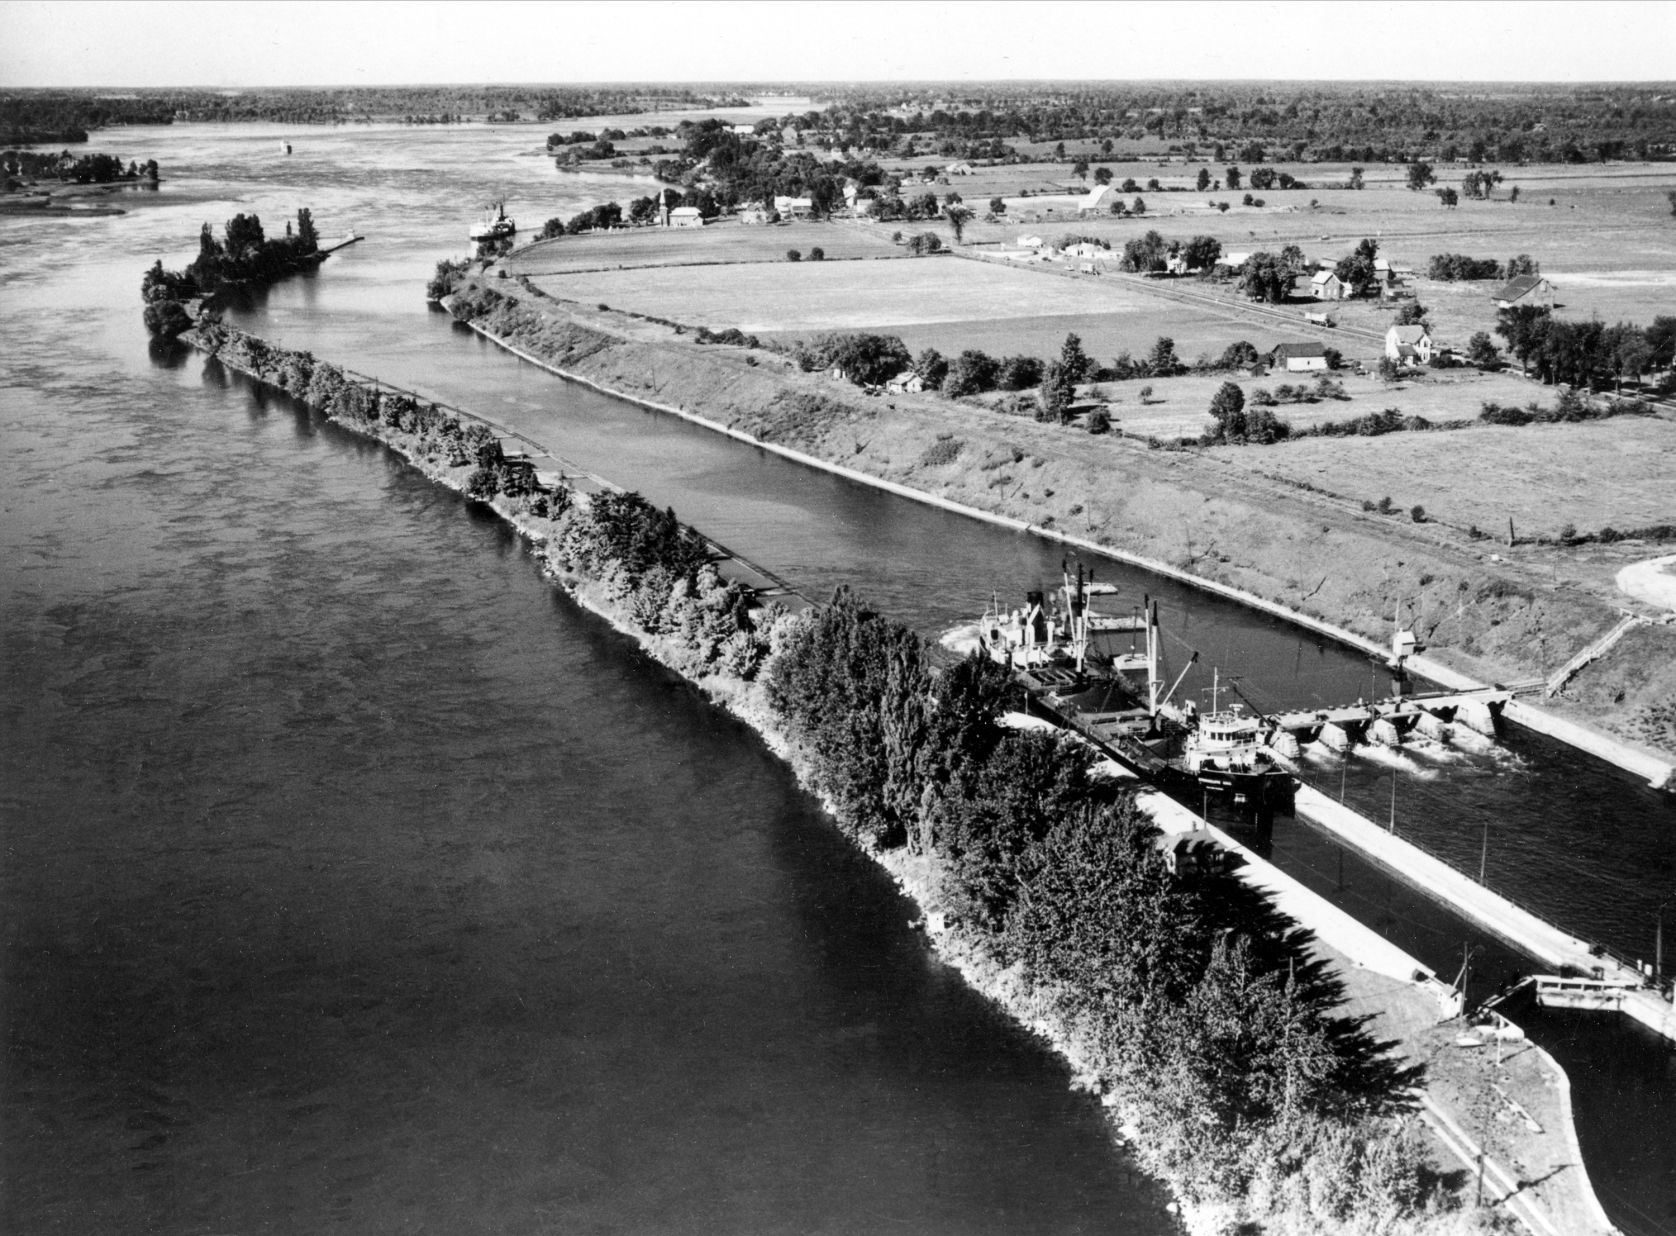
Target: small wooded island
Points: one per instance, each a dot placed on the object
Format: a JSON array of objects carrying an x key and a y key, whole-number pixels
[{"x": 244, "y": 255}]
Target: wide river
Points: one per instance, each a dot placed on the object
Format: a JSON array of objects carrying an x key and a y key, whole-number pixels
[{"x": 353, "y": 876}]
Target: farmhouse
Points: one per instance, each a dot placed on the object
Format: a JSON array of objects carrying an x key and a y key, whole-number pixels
[
  {"x": 685, "y": 216},
  {"x": 1029, "y": 242},
  {"x": 1525, "y": 290},
  {"x": 744, "y": 130},
  {"x": 1326, "y": 286},
  {"x": 1300, "y": 357},
  {"x": 1408, "y": 345},
  {"x": 755, "y": 212},
  {"x": 1087, "y": 249},
  {"x": 905, "y": 383},
  {"x": 1233, "y": 263},
  {"x": 960, "y": 169},
  {"x": 794, "y": 207}
]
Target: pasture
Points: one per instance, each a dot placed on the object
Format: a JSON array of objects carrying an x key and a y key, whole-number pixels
[
  {"x": 941, "y": 302},
  {"x": 1592, "y": 475},
  {"x": 1179, "y": 407},
  {"x": 674, "y": 247}
]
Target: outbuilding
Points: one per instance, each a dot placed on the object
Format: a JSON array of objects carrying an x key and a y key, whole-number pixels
[
  {"x": 1326, "y": 285},
  {"x": 685, "y": 216},
  {"x": 1301, "y": 357},
  {"x": 1525, "y": 290}
]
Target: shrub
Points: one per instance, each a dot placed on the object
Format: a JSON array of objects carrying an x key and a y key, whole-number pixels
[
  {"x": 945, "y": 450},
  {"x": 1417, "y": 513},
  {"x": 1099, "y": 421},
  {"x": 817, "y": 254},
  {"x": 792, "y": 255},
  {"x": 1386, "y": 506}
]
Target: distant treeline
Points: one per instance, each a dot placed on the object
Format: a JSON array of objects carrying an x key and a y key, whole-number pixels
[
  {"x": 1260, "y": 121},
  {"x": 87, "y": 169},
  {"x": 33, "y": 116}
]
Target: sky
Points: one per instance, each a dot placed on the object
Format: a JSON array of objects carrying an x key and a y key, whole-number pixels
[{"x": 346, "y": 42}]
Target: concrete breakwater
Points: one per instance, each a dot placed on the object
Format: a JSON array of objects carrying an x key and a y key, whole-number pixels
[{"x": 584, "y": 367}]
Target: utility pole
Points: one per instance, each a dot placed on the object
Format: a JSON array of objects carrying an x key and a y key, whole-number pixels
[{"x": 1484, "y": 852}]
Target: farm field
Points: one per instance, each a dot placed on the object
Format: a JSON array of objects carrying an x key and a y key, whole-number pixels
[
  {"x": 943, "y": 302},
  {"x": 1593, "y": 475},
  {"x": 1178, "y": 407},
  {"x": 723, "y": 242}
]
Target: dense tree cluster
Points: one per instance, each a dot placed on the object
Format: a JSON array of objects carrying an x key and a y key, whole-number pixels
[
  {"x": 1203, "y": 1010},
  {"x": 243, "y": 255},
  {"x": 1585, "y": 353},
  {"x": 88, "y": 169},
  {"x": 865, "y": 359}
]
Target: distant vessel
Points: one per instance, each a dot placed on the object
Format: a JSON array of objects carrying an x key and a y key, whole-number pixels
[{"x": 494, "y": 225}]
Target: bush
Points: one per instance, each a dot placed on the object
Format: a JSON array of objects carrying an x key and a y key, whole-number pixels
[
  {"x": 792, "y": 255},
  {"x": 1099, "y": 421},
  {"x": 945, "y": 450},
  {"x": 1386, "y": 506},
  {"x": 1417, "y": 513},
  {"x": 817, "y": 254}
]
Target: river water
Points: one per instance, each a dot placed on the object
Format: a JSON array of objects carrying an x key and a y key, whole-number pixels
[{"x": 353, "y": 876}]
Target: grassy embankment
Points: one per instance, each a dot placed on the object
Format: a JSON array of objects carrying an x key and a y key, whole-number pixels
[{"x": 1498, "y": 613}]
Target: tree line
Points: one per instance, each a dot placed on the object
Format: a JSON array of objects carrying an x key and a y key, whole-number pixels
[
  {"x": 1587, "y": 353},
  {"x": 87, "y": 169}
]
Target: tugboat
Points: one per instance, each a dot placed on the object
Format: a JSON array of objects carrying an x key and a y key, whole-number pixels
[
  {"x": 493, "y": 226},
  {"x": 1226, "y": 752}
]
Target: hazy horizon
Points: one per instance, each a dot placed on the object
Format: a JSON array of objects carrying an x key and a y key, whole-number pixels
[{"x": 50, "y": 44}]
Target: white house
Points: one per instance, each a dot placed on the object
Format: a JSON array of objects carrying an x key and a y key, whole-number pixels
[
  {"x": 959, "y": 169},
  {"x": 1408, "y": 345},
  {"x": 905, "y": 383},
  {"x": 1301, "y": 357},
  {"x": 1029, "y": 242},
  {"x": 685, "y": 216},
  {"x": 1087, "y": 249},
  {"x": 1233, "y": 262},
  {"x": 1326, "y": 286},
  {"x": 744, "y": 130},
  {"x": 756, "y": 212},
  {"x": 793, "y": 207}
]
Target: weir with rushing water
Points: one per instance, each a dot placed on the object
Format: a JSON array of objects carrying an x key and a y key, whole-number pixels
[{"x": 352, "y": 875}]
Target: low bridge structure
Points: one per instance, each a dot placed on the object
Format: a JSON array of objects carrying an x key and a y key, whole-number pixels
[{"x": 1387, "y": 722}]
